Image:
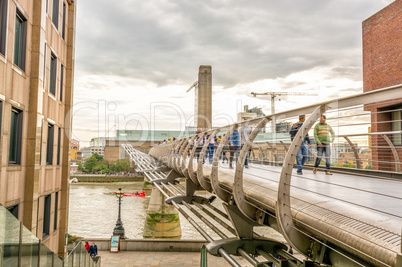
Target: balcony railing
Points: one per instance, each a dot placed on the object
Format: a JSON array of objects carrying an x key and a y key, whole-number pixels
[{"x": 19, "y": 247}]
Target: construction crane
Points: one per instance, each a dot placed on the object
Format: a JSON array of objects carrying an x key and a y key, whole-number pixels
[
  {"x": 275, "y": 94},
  {"x": 195, "y": 86},
  {"x": 110, "y": 130}
]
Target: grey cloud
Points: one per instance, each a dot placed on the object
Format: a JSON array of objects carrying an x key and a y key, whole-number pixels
[{"x": 165, "y": 41}]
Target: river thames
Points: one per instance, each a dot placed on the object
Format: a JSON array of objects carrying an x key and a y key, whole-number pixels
[{"x": 93, "y": 213}]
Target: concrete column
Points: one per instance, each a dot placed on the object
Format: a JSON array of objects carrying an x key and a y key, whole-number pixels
[
  {"x": 162, "y": 220},
  {"x": 204, "y": 99}
]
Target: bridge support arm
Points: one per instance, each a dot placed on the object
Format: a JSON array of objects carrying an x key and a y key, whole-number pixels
[
  {"x": 170, "y": 178},
  {"x": 222, "y": 194},
  {"x": 296, "y": 239},
  {"x": 238, "y": 192}
]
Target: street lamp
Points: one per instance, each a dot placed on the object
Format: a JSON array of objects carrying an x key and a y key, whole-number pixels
[{"x": 119, "y": 229}]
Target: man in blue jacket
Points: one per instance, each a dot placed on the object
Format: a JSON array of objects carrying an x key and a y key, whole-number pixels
[
  {"x": 234, "y": 145},
  {"x": 93, "y": 251},
  {"x": 302, "y": 154}
]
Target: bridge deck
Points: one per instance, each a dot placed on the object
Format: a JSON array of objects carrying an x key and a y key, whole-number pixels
[
  {"x": 358, "y": 214},
  {"x": 342, "y": 207}
]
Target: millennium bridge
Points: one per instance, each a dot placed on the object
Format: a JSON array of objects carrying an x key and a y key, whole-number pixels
[{"x": 350, "y": 218}]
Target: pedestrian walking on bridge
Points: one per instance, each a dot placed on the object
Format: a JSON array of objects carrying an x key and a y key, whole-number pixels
[
  {"x": 234, "y": 145},
  {"x": 302, "y": 154},
  {"x": 324, "y": 136}
]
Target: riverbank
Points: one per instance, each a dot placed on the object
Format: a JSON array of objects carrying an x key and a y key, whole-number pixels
[
  {"x": 165, "y": 245},
  {"x": 106, "y": 178}
]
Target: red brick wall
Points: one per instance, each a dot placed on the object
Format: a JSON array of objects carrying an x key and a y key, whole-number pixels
[
  {"x": 382, "y": 48},
  {"x": 382, "y": 67}
]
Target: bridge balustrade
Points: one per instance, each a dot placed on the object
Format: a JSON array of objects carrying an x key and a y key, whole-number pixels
[{"x": 322, "y": 225}]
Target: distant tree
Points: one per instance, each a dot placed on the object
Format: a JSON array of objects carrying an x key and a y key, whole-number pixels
[
  {"x": 122, "y": 165},
  {"x": 103, "y": 162},
  {"x": 81, "y": 168},
  {"x": 101, "y": 169},
  {"x": 91, "y": 163},
  {"x": 97, "y": 156},
  {"x": 369, "y": 167}
]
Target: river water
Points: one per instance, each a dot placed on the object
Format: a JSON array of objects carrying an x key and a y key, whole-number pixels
[{"x": 94, "y": 210}]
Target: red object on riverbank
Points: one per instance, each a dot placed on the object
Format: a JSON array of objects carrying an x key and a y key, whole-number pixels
[{"x": 142, "y": 194}]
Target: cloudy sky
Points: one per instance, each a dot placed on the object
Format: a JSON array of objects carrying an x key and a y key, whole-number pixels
[{"x": 135, "y": 60}]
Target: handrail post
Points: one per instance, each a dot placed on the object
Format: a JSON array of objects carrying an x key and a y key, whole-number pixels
[
  {"x": 39, "y": 245},
  {"x": 20, "y": 246},
  {"x": 394, "y": 152},
  {"x": 358, "y": 162}
]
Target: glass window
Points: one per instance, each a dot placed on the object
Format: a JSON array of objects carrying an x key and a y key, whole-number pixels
[
  {"x": 44, "y": 67},
  {"x": 56, "y": 208},
  {"x": 1, "y": 115},
  {"x": 3, "y": 25},
  {"x": 61, "y": 82},
  {"x": 13, "y": 210},
  {"x": 397, "y": 126},
  {"x": 15, "y": 136},
  {"x": 55, "y": 15},
  {"x": 53, "y": 73},
  {"x": 63, "y": 30},
  {"x": 50, "y": 142},
  {"x": 41, "y": 141},
  {"x": 20, "y": 40},
  {"x": 58, "y": 145},
  {"x": 46, "y": 216}
]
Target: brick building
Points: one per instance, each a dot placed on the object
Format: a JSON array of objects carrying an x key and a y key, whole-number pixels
[
  {"x": 382, "y": 67},
  {"x": 36, "y": 94}
]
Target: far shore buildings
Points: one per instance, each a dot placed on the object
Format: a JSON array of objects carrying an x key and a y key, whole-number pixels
[
  {"x": 382, "y": 67},
  {"x": 37, "y": 43}
]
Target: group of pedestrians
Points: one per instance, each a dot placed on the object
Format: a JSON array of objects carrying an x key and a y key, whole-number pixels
[
  {"x": 324, "y": 135},
  {"x": 233, "y": 145},
  {"x": 91, "y": 249}
]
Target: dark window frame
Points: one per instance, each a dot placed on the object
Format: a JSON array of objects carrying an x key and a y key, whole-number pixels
[
  {"x": 46, "y": 215},
  {"x": 41, "y": 142},
  {"x": 56, "y": 208},
  {"x": 3, "y": 25},
  {"x": 1, "y": 116},
  {"x": 44, "y": 66},
  {"x": 13, "y": 210},
  {"x": 61, "y": 82},
  {"x": 396, "y": 125},
  {"x": 63, "y": 24},
  {"x": 55, "y": 13},
  {"x": 58, "y": 145},
  {"x": 20, "y": 46},
  {"x": 53, "y": 74},
  {"x": 50, "y": 144},
  {"x": 17, "y": 134}
]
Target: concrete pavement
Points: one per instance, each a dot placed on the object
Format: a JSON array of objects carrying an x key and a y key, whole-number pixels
[{"x": 144, "y": 258}]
